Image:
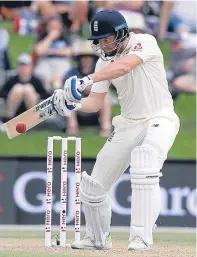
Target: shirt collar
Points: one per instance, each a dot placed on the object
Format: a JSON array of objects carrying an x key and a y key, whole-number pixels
[{"x": 129, "y": 45}]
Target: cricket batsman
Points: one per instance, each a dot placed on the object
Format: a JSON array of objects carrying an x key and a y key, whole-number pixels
[{"x": 143, "y": 133}]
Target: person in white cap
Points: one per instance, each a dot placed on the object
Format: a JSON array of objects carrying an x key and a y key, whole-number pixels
[{"x": 23, "y": 90}]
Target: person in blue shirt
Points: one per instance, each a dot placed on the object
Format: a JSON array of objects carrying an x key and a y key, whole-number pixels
[{"x": 54, "y": 52}]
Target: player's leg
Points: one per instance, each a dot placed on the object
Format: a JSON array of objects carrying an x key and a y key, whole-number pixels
[
  {"x": 95, "y": 196},
  {"x": 111, "y": 162},
  {"x": 146, "y": 163}
]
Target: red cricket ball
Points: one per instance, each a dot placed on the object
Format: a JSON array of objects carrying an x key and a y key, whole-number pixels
[{"x": 21, "y": 127}]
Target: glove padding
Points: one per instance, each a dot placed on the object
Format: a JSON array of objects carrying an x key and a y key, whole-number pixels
[
  {"x": 62, "y": 106},
  {"x": 74, "y": 86}
]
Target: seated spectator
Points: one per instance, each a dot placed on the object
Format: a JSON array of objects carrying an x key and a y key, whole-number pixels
[
  {"x": 12, "y": 9},
  {"x": 83, "y": 11},
  {"x": 26, "y": 23},
  {"x": 47, "y": 9},
  {"x": 80, "y": 11},
  {"x": 23, "y": 90},
  {"x": 178, "y": 16},
  {"x": 178, "y": 56},
  {"x": 125, "y": 5},
  {"x": 54, "y": 51},
  {"x": 135, "y": 21},
  {"x": 132, "y": 11},
  {"x": 187, "y": 82},
  {"x": 151, "y": 10},
  {"x": 4, "y": 55},
  {"x": 4, "y": 45},
  {"x": 182, "y": 66},
  {"x": 86, "y": 60}
]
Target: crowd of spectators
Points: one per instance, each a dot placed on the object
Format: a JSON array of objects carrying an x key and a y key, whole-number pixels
[{"x": 60, "y": 50}]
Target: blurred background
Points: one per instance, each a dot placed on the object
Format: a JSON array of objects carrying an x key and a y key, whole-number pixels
[{"x": 42, "y": 43}]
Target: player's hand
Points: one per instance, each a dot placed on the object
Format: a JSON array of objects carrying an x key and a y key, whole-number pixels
[
  {"x": 61, "y": 106},
  {"x": 74, "y": 86}
]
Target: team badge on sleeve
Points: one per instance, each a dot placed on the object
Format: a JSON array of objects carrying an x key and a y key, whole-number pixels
[{"x": 138, "y": 47}]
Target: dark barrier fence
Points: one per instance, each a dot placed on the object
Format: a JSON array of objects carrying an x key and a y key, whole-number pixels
[{"x": 22, "y": 192}]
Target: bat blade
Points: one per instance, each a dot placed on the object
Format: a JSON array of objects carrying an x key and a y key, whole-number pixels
[{"x": 31, "y": 117}]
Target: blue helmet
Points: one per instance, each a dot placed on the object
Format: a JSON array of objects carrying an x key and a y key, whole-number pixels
[{"x": 107, "y": 23}]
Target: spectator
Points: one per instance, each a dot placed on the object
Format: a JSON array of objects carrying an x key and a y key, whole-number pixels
[
  {"x": 13, "y": 9},
  {"x": 23, "y": 90},
  {"x": 182, "y": 65},
  {"x": 47, "y": 9},
  {"x": 187, "y": 82},
  {"x": 135, "y": 21},
  {"x": 4, "y": 44},
  {"x": 26, "y": 23},
  {"x": 125, "y": 5},
  {"x": 86, "y": 60},
  {"x": 131, "y": 10},
  {"x": 54, "y": 53},
  {"x": 179, "y": 56},
  {"x": 4, "y": 55},
  {"x": 81, "y": 11},
  {"x": 180, "y": 16}
]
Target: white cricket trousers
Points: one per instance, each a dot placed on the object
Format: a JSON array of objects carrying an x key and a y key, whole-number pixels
[{"x": 113, "y": 159}]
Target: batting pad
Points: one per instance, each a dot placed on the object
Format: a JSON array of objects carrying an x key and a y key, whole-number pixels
[
  {"x": 146, "y": 199},
  {"x": 97, "y": 209}
]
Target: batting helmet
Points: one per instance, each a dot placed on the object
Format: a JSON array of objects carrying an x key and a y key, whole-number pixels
[{"x": 105, "y": 24}]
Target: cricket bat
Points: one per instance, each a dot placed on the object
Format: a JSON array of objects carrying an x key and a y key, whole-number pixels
[
  {"x": 31, "y": 117},
  {"x": 36, "y": 114}
]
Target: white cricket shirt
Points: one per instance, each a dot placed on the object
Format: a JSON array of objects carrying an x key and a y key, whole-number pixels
[{"x": 143, "y": 92}]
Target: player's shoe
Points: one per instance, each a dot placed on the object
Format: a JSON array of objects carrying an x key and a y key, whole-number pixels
[
  {"x": 137, "y": 244},
  {"x": 87, "y": 243}
]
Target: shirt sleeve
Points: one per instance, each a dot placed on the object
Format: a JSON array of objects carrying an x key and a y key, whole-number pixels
[
  {"x": 146, "y": 48},
  {"x": 103, "y": 86}
]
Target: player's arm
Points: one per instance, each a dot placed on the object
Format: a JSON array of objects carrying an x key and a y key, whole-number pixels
[
  {"x": 93, "y": 103},
  {"x": 117, "y": 69},
  {"x": 146, "y": 50},
  {"x": 74, "y": 86}
]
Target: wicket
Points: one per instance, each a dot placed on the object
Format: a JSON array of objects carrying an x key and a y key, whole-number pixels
[{"x": 63, "y": 190}]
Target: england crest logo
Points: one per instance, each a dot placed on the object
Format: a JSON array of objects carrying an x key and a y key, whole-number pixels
[{"x": 96, "y": 26}]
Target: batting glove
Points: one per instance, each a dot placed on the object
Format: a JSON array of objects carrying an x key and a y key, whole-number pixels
[
  {"x": 74, "y": 86},
  {"x": 61, "y": 106}
]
